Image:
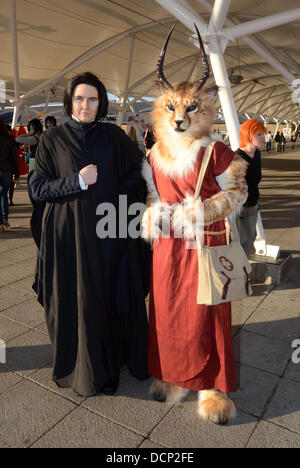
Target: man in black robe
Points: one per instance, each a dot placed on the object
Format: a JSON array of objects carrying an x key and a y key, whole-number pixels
[{"x": 92, "y": 289}]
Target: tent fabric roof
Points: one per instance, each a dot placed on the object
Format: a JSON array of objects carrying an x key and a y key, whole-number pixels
[{"x": 53, "y": 34}]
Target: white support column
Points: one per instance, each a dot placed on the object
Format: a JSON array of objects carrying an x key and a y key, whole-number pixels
[
  {"x": 185, "y": 13},
  {"x": 225, "y": 94},
  {"x": 16, "y": 115},
  {"x": 14, "y": 36},
  {"x": 218, "y": 15},
  {"x": 125, "y": 95}
]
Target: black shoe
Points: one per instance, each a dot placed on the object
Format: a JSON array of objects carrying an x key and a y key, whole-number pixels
[{"x": 11, "y": 203}]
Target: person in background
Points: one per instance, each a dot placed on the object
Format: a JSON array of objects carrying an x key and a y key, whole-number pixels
[
  {"x": 9, "y": 171},
  {"x": 50, "y": 122},
  {"x": 252, "y": 136},
  {"x": 13, "y": 183},
  {"x": 35, "y": 130},
  {"x": 268, "y": 140},
  {"x": 277, "y": 142},
  {"x": 282, "y": 142},
  {"x": 293, "y": 141}
]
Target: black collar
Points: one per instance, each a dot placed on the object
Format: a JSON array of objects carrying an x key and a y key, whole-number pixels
[{"x": 82, "y": 125}]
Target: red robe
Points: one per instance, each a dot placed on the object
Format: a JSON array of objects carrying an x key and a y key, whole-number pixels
[{"x": 190, "y": 345}]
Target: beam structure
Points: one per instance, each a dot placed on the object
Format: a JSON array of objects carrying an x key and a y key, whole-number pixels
[
  {"x": 254, "y": 44},
  {"x": 261, "y": 24},
  {"x": 89, "y": 54}
]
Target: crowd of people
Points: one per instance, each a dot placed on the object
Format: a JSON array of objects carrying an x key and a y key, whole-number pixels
[{"x": 279, "y": 141}]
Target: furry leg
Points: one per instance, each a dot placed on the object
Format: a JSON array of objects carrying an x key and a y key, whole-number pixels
[
  {"x": 216, "y": 406},
  {"x": 167, "y": 392}
]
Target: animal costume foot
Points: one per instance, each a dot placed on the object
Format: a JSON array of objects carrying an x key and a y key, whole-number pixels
[
  {"x": 167, "y": 392},
  {"x": 215, "y": 406}
]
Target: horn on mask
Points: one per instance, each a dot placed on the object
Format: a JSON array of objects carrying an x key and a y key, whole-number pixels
[
  {"x": 161, "y": 59},
  {"x": 205, "y": 63},
  {"x": 160, "y": 63}
]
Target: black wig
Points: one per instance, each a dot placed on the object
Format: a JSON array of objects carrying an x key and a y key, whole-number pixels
[
  {"x": 36, "y": 124},
  {"x": 92, "y": 80},
  {"x": 52, "y": 119}
]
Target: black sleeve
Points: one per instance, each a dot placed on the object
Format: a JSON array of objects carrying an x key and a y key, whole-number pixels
[
  {"x": 43, "y": 185},
  {"x": 42, "y": 189}
]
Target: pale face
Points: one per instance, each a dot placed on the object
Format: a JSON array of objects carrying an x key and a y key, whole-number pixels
[
  {"x": 258, "y": 139},
  {"x": 85, "y": 103}
]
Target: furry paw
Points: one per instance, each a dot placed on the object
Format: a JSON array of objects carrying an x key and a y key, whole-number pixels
[
  {"x": 167, "y": 392},
  {"x": 216, "y": 406},
  {"x": 188, "y": 218},
  {"x": 156, "y": 221}
]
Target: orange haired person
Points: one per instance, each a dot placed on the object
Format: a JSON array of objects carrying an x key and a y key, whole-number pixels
[{"x": 252, "y": 136}]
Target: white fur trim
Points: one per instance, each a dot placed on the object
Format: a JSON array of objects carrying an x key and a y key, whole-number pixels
[
  {"x": 183, "y": 157},
  {"x": 188, "y": 218},
  {"x": 156, "y": 221}
]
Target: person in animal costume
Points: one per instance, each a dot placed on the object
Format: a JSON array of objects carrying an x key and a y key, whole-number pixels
[{"x": 190, "y": 344}]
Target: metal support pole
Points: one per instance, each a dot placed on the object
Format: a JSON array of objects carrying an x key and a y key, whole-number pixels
[
  {"x": 16, "y": 115},
  {"x": 218, "y": 15},
  {"x": 225, "y": 94},
  {"x": 13, "y": 20},
  {"x": 125, "y": 96}
]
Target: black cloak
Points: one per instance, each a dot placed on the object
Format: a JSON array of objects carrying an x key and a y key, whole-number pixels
[{"x": 91, "y": 339}]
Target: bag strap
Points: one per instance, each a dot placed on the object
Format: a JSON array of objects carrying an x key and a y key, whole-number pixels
[{"x": 205, "y": 161}]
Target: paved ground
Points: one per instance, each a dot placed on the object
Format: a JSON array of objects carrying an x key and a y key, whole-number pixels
[{"x": 35, "y": 413}]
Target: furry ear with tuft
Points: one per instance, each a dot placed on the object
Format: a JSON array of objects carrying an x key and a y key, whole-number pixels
[{"x": 212, "y": 92}]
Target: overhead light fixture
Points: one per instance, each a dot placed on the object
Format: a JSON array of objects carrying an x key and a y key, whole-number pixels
[{"x": 236, "y": 79}]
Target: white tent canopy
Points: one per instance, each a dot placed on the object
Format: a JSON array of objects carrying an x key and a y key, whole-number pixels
[{"x": 45, "y": 42}]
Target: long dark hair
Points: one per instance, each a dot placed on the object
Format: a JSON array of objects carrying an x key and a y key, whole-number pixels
[
  {"x": 36, "y": 124},
  {"x": 92, "y": 80},
  {"x": 3, "y": 128}
]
